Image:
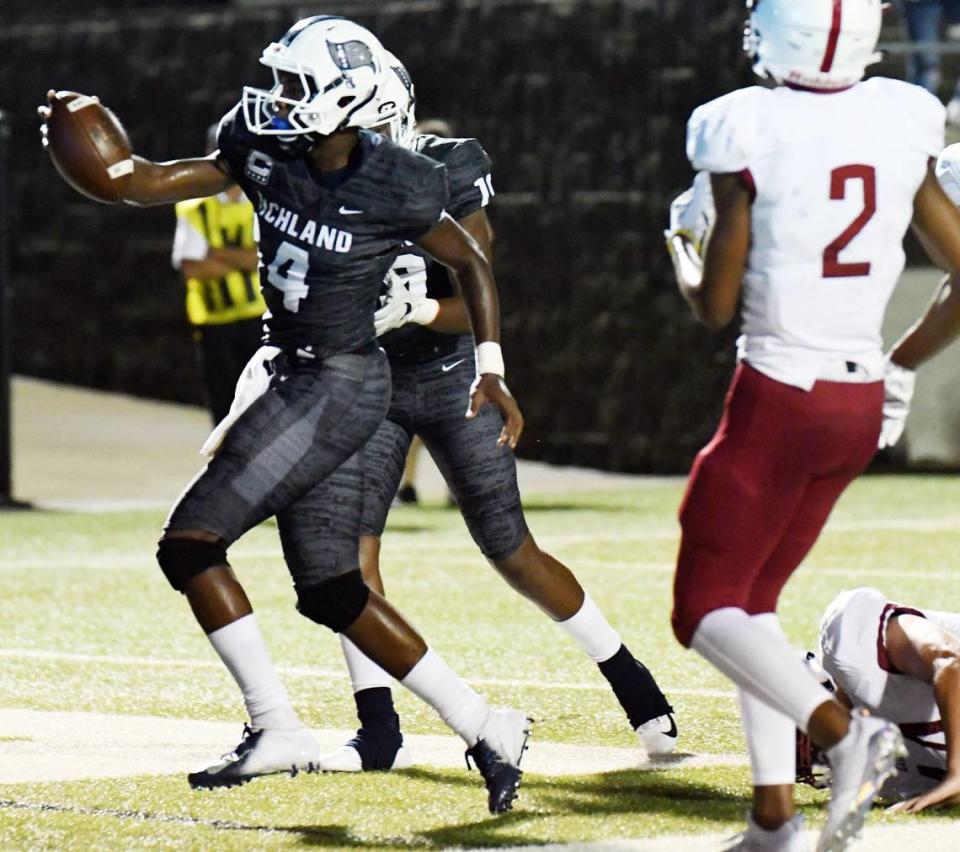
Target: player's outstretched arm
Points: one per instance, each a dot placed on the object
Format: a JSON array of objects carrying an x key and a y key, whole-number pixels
[
  {"x": 451, "y": 245},
  {"x": 937, "y": 222},
  {"x": 715, "y": 296},
  {"x": 919, "y": 648},
  {"x": 166, "y": 183},
  {"x": 152, "y": 183}
]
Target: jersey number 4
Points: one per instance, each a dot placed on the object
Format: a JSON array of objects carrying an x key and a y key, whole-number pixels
[
  {"x": 287, "y": 273},
  {"x": 833, "y": 267}
]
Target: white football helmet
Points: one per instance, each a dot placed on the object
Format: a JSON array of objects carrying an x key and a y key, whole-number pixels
[
  {"x": 818, "y": 44},
  {"x": 340, "y": 66},
  {"x": 396, "y": 105}
]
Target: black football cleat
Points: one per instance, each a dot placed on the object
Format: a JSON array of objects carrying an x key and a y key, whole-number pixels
[
  {"x": 497, "y": 756},
  {"x": 260, "y": 752}
]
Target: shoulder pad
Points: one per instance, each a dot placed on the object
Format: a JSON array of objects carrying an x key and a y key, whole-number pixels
[
  {"x": 919, "y": 113},
  {"x": 722, "y": 135},
  {"x": 233, "y": 140},
  {"x": 418, "y": 185},
  {"x": 468, "y": 172},
  {"x": 456, "y": 154}
]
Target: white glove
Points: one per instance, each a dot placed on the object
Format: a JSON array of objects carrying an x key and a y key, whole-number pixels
[
  {"x": 401, "y": 304},
  {"x": 692, "y": 214},
  {"x": 687, "y": 264},
  {"x": 897, "y": 393},
  {"x": 253, "y": 383}
]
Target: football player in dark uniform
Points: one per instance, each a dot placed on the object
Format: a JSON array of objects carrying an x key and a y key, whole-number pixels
[
  {"x": 334, "y": 204},
  {"x": 425, "y": 332}
]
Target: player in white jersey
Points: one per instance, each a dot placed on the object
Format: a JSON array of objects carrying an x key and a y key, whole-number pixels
[
  {"x": 929, "y": 335},
  {"x": 901, "y": 663},
  {"x": 814, "y": 184}
]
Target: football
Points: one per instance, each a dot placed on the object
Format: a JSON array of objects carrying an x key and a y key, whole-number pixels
[{"x": 89, "y": 146}]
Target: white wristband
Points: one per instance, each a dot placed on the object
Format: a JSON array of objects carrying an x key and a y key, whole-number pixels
[{"x": 489, "y": 357}]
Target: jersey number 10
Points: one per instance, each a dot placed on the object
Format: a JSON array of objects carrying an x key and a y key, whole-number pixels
[{"x": 833, "y": 267}]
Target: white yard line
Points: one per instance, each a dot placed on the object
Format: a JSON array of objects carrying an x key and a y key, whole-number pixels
[
  {"x": 41, "y": 746},
  {"x": 318, "y": 672},
  {"x": 38, "y": 746},
  {"x": 928, "y": 835}
]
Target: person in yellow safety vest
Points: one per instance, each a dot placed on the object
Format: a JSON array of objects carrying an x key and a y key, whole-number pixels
[{"x": 215, "y": 250}]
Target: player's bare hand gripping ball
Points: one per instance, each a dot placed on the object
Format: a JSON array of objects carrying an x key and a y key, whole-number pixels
[{"x": 87, "y": 144}]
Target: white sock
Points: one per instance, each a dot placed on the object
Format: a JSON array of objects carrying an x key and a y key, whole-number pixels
[
  {"x": 759, "y": 661},
  {"x": 458, "y": 705},
  {"x": 592, "y": 631},
  {"x": 364, "y": 672},
  {"x": 771, "y": 736},
  {"x": 243, "y": 651}
]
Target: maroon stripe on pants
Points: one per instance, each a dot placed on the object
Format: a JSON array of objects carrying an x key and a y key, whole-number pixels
[{"x": 760, "y": 492}]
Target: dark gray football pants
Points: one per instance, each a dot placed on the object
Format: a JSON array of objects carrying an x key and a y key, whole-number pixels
[
  {"x": 278, "y": 457},
  {"x": 430, "y": 400}
]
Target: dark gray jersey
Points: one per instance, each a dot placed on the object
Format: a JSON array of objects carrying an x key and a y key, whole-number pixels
[
  {"x": 468, "y": 174},
  {"x": 324, "y": 251}
]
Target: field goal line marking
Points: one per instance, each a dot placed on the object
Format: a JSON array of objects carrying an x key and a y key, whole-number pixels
[{"x": 316, "y": 671}]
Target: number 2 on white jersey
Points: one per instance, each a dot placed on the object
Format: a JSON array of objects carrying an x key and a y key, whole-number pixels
[{"x": 833, "y": 267}]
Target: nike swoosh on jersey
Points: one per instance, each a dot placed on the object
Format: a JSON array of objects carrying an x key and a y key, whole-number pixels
[
  {"x": 346, "y": 211},
  {"x": 448, "y": 367}
]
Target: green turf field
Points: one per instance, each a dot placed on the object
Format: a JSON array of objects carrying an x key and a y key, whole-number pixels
[{"x": 87, "y": 623}]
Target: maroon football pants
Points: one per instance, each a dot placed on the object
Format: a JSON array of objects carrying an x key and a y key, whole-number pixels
[{"x": 760, "y": 492}]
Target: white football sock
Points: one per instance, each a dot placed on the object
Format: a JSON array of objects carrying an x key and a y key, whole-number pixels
[
  {"x": 771, "y": 736},
  {"x": 458, "y": 705},
  {"x": 759, "y": 661},
  {"x": 592, "y": 632},
  {"x": 243, "y": 651},
  {"x": 364, "y": 672}
]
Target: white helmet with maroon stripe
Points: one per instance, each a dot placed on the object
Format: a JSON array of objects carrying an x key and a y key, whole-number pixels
[{"x": 816, "y": 44}]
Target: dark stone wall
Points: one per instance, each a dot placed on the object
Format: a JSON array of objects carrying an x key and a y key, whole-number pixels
[{"x": 582, "y": 106}]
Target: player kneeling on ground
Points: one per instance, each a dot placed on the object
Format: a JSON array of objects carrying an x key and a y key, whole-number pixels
[{"x": 903, "y": 664}]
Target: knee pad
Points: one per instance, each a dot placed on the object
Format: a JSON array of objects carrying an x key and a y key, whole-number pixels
[
  {"x": 182, "y": 559},
  {"x": 335, "y": 603}
]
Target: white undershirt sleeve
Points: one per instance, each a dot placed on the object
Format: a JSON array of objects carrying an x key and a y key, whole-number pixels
[{"x": 188, "y": 244}]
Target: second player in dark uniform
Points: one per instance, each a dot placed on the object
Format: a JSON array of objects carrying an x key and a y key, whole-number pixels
[{"x": 432, "y": 367}]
